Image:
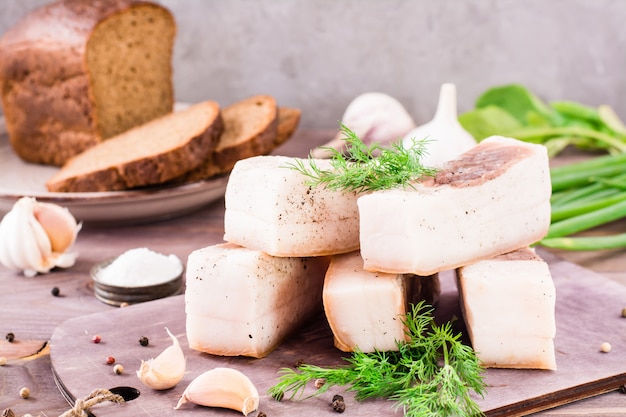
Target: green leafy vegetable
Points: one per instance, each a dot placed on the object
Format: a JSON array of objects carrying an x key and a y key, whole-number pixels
[
  {"x": 431, "y": 374},
  {"x": 556, "y": 125},
  {"x": 367, "y": 167},
  {"x": 518, "y": 101},
  {"x": 489, "y": 121}
]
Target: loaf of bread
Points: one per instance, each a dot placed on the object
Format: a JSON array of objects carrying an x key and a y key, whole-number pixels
[
  {"x": 73, "y": 73},
  {"x": 153, "y": 153}
]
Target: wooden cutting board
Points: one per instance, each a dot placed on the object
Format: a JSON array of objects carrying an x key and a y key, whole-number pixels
[{"x": 587, "y": 314}]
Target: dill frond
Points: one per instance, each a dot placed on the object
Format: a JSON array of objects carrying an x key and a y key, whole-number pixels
[
  {"x": 367, "y": 167},
  {"x": 431, "y": 374}
]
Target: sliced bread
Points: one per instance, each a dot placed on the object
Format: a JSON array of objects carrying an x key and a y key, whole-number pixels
[
  {"x": 250, "y": 129},
  {"x": 153, "y": 153},
  {"x": 288, "y": 121}
]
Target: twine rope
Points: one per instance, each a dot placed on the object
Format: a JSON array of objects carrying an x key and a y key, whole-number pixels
[{"x": 96, "y": 397}]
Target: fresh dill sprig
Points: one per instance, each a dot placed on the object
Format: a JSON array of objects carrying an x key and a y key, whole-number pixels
[
  {"x": 432, "y": 373},
  {"x": 367, "y": 167}
]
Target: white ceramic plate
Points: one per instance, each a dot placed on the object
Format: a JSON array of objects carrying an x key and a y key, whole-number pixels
[{"x": 19, "y": 179}]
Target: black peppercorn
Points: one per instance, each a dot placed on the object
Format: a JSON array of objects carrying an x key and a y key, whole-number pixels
[
  {"x": 261, "y": 414},
  {"x": 55, "y": 291},
  {"x": 143, "y": 341},
  {"x": 10, "y": 337},
  {"x": 338, "y": 403}
]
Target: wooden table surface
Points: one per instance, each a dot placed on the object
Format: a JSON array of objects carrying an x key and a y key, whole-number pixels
[{"x": 31, "y": 312}]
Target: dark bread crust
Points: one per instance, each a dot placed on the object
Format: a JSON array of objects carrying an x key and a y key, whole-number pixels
[{"x": 45, "y": 84}]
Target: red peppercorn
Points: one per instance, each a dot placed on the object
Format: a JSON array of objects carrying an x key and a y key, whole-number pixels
[
  {"x": 110, "y": 360},
  {"x": 96, "y": 339}
]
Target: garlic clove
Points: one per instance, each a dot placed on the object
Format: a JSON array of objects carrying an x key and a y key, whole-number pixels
[
  {"x": 34, "y": 237},
  {"x": 59, "y": 225},
  {"x": 446, "y": 138},
  {"x": 374, "y": 117},
  {"x": 222, "y": 387},
  {"x": 166, "y": 370}
]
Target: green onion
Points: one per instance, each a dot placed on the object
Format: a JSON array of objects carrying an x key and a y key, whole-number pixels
[
  {"x": 584, "y": 176},
  {"x": 596, "y": 162},
  {"x": 540, "y": 133},
  {"x": 588, "y": 220},
  {"x": 589, "y": 205},
  {"x": 586, "y": 243},
  {"x": 612, "y": 182},
  {"x": 594, "y": 190},
  {"x": 585, "y": 195}
]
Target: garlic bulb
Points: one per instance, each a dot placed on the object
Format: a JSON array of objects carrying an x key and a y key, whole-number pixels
[
  {"x": 222, "y": 387},
  {"x": 374, "y": 117},
  {"x": 166, "y": 370},
  {"x": 35, "y": 237},
  {"x": 446, "y": 137}
]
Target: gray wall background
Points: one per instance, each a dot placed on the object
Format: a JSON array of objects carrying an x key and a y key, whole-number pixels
[{"x": 319, "y": 54}]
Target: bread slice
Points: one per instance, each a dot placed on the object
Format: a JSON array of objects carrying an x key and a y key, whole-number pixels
[
  {"x": 250, "y": 129},
  {"x": 74, "y": 73},
  {"x": 153, "y": 153},
  {"x": 288, "y": 121}
]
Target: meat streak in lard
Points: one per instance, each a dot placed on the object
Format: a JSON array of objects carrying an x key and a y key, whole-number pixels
[{"x": 494, "y": 199}]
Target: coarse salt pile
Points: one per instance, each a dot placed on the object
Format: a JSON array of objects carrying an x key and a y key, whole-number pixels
[{"x": 140, "y": 267}]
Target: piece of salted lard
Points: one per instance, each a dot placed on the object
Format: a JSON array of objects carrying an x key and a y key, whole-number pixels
[
  {"x": 494, "y": 199},
  {"x": 241, "y": 301},
  {"x": 508, "y": 303},
  {"x": 270, "y": 207},
  {"x": 366, "y": 310}
]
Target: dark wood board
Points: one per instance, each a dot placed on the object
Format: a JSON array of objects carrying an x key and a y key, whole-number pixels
[{"x": 588, "y": 313}]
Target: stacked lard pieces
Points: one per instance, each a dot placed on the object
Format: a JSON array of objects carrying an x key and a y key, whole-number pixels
[{"x": 292, "y": 249}]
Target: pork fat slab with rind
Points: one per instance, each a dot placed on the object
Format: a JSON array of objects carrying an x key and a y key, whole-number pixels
[
  {"x": 241, "y": 301},
  {"x": 270, "y": 207},
  {"x": 493, "y": 199},
  {"x": 366, "y": 310},
  {"x": 508, "y": 303}
]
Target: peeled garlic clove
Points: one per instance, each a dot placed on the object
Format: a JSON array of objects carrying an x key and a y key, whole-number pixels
[
  {"x": 222, "y": 387},
  {"x": 446, "y": 138},
  {"x": 166, "y": 370},
  {"x": 373, "y": 117},
  {"x": 35, "y": 237}
]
